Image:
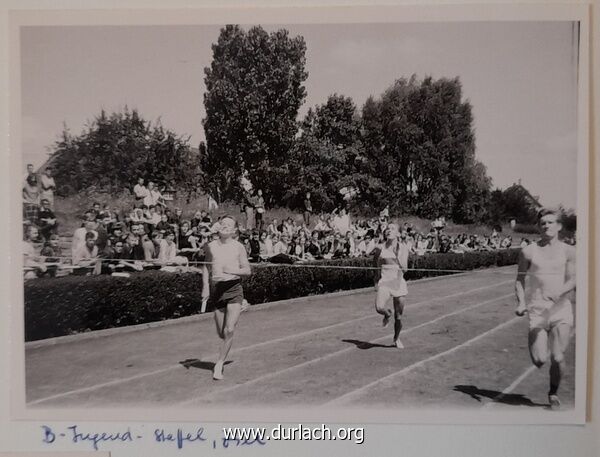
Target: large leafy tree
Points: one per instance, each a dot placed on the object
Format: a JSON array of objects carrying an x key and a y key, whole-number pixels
[
  {"x": 115, "y": 150},
  {"x": 420, "y": 148},
  {"x": 326, "y": 156},
  {"x": 254, "y": 88}
]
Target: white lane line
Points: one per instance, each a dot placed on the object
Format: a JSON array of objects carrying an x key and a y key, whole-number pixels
[
  {"x": 358, "y": 319},
  {"x": 252, "y": 346},
  {"x": 510, "y": 388},
  {"x": 357, "y": 392},
  {"x": 334, "y": 354}
]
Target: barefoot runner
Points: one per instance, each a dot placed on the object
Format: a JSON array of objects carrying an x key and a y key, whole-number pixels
[{"x": 228, "y": 262}]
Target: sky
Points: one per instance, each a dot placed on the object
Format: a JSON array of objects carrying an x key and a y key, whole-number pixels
[{"x": 520, "y": 77}]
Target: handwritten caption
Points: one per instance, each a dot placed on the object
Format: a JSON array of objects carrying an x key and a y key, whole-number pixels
[{"x": 176, "y": 438}]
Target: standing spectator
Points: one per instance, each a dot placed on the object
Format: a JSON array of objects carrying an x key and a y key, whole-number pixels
[
  {"x": 384, "y": 215},
  {"x": 31, "y": 199},
  {"x": 30, "y": 172},
  {"x": 249, "y": 209},
  {"x": 48, "y": 187},
  {"x": 260, "y": 209},
  {"x": 140, "y": 192},
  {"x": 46, "y": 220},
  {"x": 308, "y": 209}
]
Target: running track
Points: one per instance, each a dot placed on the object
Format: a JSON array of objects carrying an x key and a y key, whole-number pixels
[{"x": 464, "y": 348}]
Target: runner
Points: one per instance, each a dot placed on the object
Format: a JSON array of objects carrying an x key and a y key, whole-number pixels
[
  {"x": 392, "y": 259},
  {"x": 228, "y": 262},
  {"x": 550, "y": 267}
]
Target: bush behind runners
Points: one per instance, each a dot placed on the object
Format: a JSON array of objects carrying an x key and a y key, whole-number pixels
[{"x": 75, "y": 304}]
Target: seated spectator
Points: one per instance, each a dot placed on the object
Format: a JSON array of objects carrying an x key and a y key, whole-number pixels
[
  {"x": 80, "y": 234},
  {"x": 273, "y": 228},
  {"x": 167, "y": 254},
  {"x": 444, "y": 244},
  {"x": 524, "y": 242},
  {"x": 152, "y": 247},
  {"x": 86, "y": 254},
  {"x": 46, "y": 220},
  {"x": 32, "y": 264},
  {"x": 163, "y": 225},
  {"x": 321, "y": 225},
  {"x": 506, "y": 242},
  {"x": 254, "y": 247},
  {"x": 266, "y": 246},
  {"x": 135, "y": 249},
  {"x": 52, "y": 250},
  {"x": 282, "y": 246},
  {"x": 205, "y": 218},
  {"x": 420, "y": 246}
]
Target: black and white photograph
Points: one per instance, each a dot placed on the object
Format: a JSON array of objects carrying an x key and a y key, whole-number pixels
[{"x": 303, "y": 217}]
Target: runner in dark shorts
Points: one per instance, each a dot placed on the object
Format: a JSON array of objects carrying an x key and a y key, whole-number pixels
[{"x": 228, "y": 263}]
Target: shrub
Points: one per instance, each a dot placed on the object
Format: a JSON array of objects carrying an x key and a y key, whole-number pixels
[{"x": 62, "y": 306}]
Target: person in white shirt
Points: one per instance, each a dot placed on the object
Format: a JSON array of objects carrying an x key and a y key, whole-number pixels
[
  {"x": 391, "y": 258},
  {"x": 228, "y": 262},
  {"x": 546, "y": 296},
  {"x": 34, "y": 267},
  {"x": 86, "y": 255},
  {"x": 282, "y": 246},
  {"x": 167, "y": 253},
  {"x": 80, "y": 234},
  {"x": 140, "y": 192},
  {"x": 153, "y": 196}
]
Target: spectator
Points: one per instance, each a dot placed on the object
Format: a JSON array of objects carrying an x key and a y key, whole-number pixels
[
  {"x": 254, "y": 243},
  {"x": 506, "y": 242},
  {"x": 48, "y": 187},
  {"x": 164, "y": 224},
  {"x": 384, "y": 215},
  {"x": 140, "y": 192},
  {"x": 249, "y": 210},
  {"x": 282, "y": 246},
  {"x": 46, "y": 220},
  {"x": 86, "y": 254},
  {"x": 153, "y": 196},
  {"x": 30, "y": 172},
  {"x": 307, "y": 209},
  {"x": 134, "y": 247},
  {"x": 168, "y": 251},
  {"x": 152, "y": 247},
  {"x": 273, "y": 228},
  {"x": 260, "y": 209},
  {"x": 31, "y": 199},
  {"x": 52, "y": 250},
  {"x": 80, "y": 234},
  {"x": 205, "y": 219},
  {"x": 31, "y": 262}
]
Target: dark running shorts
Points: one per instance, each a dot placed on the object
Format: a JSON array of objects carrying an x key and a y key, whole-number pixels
[{"x": 225, "y": 292}]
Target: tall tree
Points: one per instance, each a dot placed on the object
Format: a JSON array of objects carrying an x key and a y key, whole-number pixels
[
  {"x": 327, "y": 155},
  {"x": 419, "y": 141},
  {"x": 114, "y": 150},
  {"x": 254, "y": 88}
]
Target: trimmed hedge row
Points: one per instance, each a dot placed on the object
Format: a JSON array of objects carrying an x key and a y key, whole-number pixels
[{"x": 62, "y": 306}]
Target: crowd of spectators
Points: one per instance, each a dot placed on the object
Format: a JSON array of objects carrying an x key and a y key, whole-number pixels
[{"x": 153, "y": 235}]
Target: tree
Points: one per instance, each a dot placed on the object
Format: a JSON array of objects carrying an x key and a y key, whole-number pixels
[
  {"x": 326, "y": 156},
  {"x": 254, "y": 88},
  {"x": 115, "y": 150},
  {"x": 420, "y": 147}
]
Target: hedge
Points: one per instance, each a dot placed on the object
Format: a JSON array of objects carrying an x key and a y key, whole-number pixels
[{"x": 67, "y": 305}]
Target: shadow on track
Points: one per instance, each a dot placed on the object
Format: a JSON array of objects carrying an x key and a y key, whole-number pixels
[
  {"x": 366, "y": 345},
  {"x": 507, "y": 399},
  {"x": 200, "y": 364}
]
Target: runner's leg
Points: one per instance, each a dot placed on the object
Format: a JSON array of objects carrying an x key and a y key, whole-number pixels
[
  {"x": 232, "y": 316},
  {"x": 381, "y": 300},
  {"x": 220, "y": 321},
  {"x": 538, "y": 346},
  {"x": 398, "y": 311},
  {"x": 559, "y": 339}
]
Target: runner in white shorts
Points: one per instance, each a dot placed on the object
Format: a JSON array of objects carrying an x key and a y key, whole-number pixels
[
  {"x": 391, "y": 258},
  {"x": 549, "y": 266},
  {"x": 228, "y": 262}
]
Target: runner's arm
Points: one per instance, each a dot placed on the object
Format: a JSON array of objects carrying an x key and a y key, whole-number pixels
[
  {"x": 570, "y": 275},
  {"x": 520, "y": 282}
]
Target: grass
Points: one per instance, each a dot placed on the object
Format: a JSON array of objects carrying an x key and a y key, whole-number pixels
[{"x": 70, "y": 212}]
